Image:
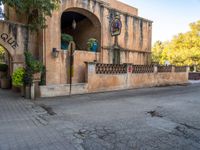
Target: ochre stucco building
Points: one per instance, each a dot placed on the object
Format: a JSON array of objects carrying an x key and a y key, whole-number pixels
[{"x": 93, "y": 20}]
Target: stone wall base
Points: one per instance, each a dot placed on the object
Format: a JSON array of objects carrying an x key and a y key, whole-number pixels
[{"x": 63, "y": 90}]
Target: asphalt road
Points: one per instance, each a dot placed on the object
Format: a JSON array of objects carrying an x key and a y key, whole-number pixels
[{"x": 162, "y": 118}]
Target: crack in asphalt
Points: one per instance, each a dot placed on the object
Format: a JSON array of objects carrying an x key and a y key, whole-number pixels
[
  {"x": 181, "y": 130},
  {"x": 190, "y": 127},
  {"x": 155, "y": 113},
  {"x": 48, "y": 109}
]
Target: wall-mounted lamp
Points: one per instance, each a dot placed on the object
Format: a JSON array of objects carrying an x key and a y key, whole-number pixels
[{"x": 55, "y": 52}]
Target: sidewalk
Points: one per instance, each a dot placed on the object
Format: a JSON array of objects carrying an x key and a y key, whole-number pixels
[
  {"x": 23, "y": 126},
  {"x": 194, "y": 81}
]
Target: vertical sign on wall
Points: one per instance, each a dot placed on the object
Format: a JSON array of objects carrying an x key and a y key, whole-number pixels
[
  {"x": 115, "y": 29},
  {"x": 116, "y": 26}
]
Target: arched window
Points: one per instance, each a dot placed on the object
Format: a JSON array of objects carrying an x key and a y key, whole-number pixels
[
  {"x": 1, "y": 13},
  {"x": 80, "y": 25}
]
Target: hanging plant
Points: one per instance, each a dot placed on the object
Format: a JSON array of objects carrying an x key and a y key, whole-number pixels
[{"x": 92, "y": 45}]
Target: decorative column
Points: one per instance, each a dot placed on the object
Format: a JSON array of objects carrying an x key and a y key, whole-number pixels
[
  {"x": 129, "y": 75},
  {"x": 173, "y": 69},
  {"x": 155, "y": 69}
]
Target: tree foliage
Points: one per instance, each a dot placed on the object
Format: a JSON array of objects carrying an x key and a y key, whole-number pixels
[
  {"x": 183, "y": 49},
  {"x": 35, "y": 11}
]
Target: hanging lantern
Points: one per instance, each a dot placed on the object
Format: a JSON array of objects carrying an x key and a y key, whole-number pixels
[{"x": 74, "y": 24}]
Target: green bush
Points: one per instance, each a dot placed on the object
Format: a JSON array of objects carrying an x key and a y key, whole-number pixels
[
  {"x": 32, "y": 66},
  {"x": 3, "y": 67},
  {"x": 35, "y": 65},
  {"x": 18, "y": 77}
]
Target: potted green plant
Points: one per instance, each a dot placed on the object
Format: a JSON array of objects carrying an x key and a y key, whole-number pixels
[
  {"x": 92, "y": 44},
  {"x": 65, "y": 39},
  {"x": 18, "y": 79},
  {"x": 33, "y": 70},
  {"x": 37, "y": 67}
]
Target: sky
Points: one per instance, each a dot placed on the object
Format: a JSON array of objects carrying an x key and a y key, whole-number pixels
[{"x": 169, "y": 17}]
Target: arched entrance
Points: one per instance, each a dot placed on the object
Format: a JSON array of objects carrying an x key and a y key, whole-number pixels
[
  {"x": 81, "y": 25},
  {"x": 6, "y": 58},
  {"x": 6, "y": 68}
]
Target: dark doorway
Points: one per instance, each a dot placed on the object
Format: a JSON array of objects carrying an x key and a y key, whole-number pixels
[
  {"x": 116, "y": 56},
  {"x": 5, "y": 68},
  {"x": 5, "y": 58}
]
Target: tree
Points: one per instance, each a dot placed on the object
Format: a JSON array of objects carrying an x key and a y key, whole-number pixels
[
  {"x": 183, "y": 49},
  {"x": 35, "y": 11},
  {"x": 157, "y": 51}
]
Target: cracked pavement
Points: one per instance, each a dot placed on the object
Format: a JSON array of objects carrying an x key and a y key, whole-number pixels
[{"x": 141, "y": 119}]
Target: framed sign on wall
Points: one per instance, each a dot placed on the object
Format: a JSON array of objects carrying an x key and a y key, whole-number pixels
[{"x": 116, "y": 26}]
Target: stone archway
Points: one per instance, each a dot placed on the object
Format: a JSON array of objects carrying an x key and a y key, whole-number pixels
[
  {"x": 7, "y": 59},
  {"x": 87, "y": 26},
  {"x": 13, "y": 39}
]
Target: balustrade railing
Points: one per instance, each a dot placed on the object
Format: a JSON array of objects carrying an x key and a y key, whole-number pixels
[
  {"x": 137, "y": 69},
  {"x": 181, "y": 69},
  {"x": 111, "y": 68},
  {"x": 164, "y": 68}
]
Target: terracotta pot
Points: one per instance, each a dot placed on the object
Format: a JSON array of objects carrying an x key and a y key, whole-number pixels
[
  {"x": 16, "y": 89},
  {"x": 37, "y": 76},
  {"x": 27, "y": 92},
  {"x": 5, "y": 83},
  {"x": 22, "y": 91},
  {"x": 2, "y": 74}
]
